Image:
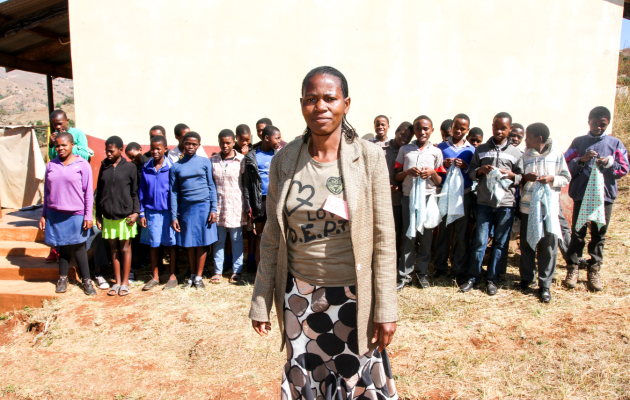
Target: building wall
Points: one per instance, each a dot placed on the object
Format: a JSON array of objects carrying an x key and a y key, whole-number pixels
[{"x": 215, "y": 64}]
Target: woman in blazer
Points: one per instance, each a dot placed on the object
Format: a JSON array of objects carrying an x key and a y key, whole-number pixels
[{"x": 328, "y": 253}]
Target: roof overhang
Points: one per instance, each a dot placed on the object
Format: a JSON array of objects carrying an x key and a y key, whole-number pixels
[{"x": 35, "y": 37}]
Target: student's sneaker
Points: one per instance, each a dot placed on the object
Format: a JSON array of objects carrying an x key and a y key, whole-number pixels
[
  {"x": 491, "y": 288},
  {"x": 53, "y": 256},
  {"x": 545, "y": 295},
  {"x": 188, "y": 283},
  {"x": 199, "y": 284},
  {"x": 594, "y": 284},
  {"x": 62, "y": 285},
  {"x": 468, "y": 286},
  {"x": 132, "y": 276},
  {"x": 88, "y": 289},
  {"x": 402, "y": 283},
  {"x": 572, "y": 276},
  {"x": 101, "y": 282}
]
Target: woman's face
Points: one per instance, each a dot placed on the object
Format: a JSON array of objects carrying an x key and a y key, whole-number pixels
[
  {"x": 323, "y": 104},
  {"x": 63, "y": 147}
]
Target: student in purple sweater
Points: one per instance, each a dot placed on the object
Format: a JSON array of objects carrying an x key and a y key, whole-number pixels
[
  {"x": 611, "y": 157},
  {"x": 67, "y": 213}
]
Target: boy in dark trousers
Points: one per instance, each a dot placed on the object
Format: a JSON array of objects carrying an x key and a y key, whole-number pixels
[
  {"x": 455, "y": 151},
  {"x": 498, "y": 167},
  {"x": 545, "y": 173},
  {"x": 593, "y": 150}
]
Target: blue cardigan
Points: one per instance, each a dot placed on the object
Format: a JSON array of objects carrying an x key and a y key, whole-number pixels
[
  {"x": 155, "y": 187},
  {"x": 191, "y": 181}
]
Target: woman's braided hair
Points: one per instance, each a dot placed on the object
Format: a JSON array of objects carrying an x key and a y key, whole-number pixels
[{"x": 346, "y": 129}]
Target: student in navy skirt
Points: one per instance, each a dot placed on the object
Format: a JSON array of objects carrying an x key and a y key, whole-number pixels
[
  {"x": 194, "y": 206},
  {"x": 67, "y": 213},
  {"x": 155, "y": 211}
]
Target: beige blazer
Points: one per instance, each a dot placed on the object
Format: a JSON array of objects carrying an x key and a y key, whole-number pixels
[{"x": 366, "y": 186}]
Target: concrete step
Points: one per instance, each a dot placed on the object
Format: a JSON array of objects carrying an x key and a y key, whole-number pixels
[
  {"x": 20, "y": 248},
  {"x": 32, "y": 269},
  {"x": 18, "y": 294},
  {"x": 21, "y": 226},
  {"x": 22, "y": 234}
]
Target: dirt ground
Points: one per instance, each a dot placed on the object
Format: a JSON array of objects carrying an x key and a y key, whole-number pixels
[{"x": 199, "y": 344}]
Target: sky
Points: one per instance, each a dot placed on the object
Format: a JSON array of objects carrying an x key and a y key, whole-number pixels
[{"x": 625, "y": 34}]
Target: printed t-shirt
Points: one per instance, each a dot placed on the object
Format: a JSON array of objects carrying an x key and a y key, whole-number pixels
[
  {"x": 263, "y": 159},
  {"x": 411, "y": 155},
  {"x": 319, "y": 244}
]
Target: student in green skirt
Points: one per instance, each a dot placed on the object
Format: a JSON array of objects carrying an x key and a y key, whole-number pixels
[{"x": 117, "y": 208}]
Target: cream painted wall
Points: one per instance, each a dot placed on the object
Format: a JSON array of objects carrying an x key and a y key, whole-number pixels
[{"x": 215, "y": 64}]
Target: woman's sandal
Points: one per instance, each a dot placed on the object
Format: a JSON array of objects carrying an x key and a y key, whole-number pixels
[
  {"x": 114, "y": 290},
  {"x": 124, "y": 290},
  {"x": 150, "y": 285},
  {"x": 235, "y": 279},
  {"x": 215, "y": 279}
]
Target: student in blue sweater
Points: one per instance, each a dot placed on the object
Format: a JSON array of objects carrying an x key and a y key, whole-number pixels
[
  {"x": 155, "y": 211},
  {"x": 194, "y": 206},
  {"x": 610, "y": 155},
  {"x": 456, "y": 151}
]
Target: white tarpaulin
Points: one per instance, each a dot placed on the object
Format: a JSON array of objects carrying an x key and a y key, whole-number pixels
[{"x": 22, "y": 168}]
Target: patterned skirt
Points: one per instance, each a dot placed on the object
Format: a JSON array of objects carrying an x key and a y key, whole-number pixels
[{"x": 322, "y": 348}]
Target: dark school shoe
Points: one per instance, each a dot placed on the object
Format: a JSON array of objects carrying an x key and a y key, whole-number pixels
[
  {"x": 88, "y": 288},
  {"x": 468, "y": 286},
  {"x": 545, "y": 295},
  {"x": 491, "y": 288},
  {"x": 423, "y": 283},
  {"x": 188, "y": 283},
  {"x": 460, "y": 279},
  {"x": 62, "y": 285},
  {"x": 172, "y": 283},
  {"x": 199, "y": 284},
  {"x": 524, "y": 285}
]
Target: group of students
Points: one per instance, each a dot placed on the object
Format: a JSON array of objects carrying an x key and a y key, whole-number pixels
[
  {"x": 173, "y": 199},
  {"x": 462, "y": 192}
]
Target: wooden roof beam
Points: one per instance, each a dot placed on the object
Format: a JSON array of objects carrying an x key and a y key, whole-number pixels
[
  {"x": 44, "y": 52},
  {"x": 49, "y": 35},
  {"x": 38, "y": 67},
  {"x": 34, "y": 19}
]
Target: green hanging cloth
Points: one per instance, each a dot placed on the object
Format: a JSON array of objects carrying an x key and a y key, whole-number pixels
[{"x": 592, "y": 208}]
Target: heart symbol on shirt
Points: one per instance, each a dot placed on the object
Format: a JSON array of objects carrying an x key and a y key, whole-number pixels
[{"x": 301, "y": 201}]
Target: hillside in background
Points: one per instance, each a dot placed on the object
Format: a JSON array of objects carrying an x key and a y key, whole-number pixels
[{"x": 23, "y": 97}]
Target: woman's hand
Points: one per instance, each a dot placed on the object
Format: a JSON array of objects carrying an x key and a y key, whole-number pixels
[
  {"x": 263, "y": 328},
  {"x": 143, "y": 222},
  {"x": 413, "y": 172},
  {"x": 212, "y": 218},
  {"x": 87, "y": 225},
  {"x": 42, "y": 223},
  {"x": 99, "y": 223},
  {"x": 383, "y": 334},
  {"x": 530, "y": 177},
  {"x": 175, "y": 226},
  {"x": 547, "y": 179},
  {"x": 448, "y": 162},
  {"x": 132, "y": 219}
]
